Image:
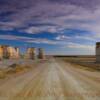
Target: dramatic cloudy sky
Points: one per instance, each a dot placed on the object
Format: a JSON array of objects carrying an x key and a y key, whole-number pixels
[{"x": 59, "y": 26}]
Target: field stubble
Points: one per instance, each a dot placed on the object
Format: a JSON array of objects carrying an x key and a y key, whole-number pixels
[{"x": 88, "y": 63}]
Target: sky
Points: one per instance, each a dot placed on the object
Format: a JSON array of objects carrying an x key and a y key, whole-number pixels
[{"x": 66, "y": 27}]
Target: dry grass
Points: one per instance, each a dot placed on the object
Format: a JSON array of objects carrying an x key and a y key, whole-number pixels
[
  {"x": 87, "y": 63},
  {"x": 13, "y": 69},
  {"x": 2, "y": 74}
]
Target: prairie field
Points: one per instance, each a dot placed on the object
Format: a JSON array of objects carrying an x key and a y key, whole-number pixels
[{"x": 87, "y": 62}]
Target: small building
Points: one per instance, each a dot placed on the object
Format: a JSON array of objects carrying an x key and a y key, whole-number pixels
[{"x": 98, "y": 52}]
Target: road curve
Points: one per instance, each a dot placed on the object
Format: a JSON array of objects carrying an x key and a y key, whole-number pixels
[{"x": 53, "y": 80}]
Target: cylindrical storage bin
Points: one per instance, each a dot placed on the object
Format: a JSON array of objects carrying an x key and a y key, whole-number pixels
[
  {"x": 41, "y": 54},
  {"x": 98, "y": 52}
]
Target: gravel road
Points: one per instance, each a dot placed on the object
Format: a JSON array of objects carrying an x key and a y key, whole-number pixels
[{"x": 52, "y": 80}]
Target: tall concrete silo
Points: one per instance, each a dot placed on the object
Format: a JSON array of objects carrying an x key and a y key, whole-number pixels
[
  {"x": 41, "y": 54},
  {"x": 31, "y": 53},
  {"x": 17, "y": 52},
  {"x": 1, "y": 52},
  {"x": 13, "y": 52},
  {"x": 5, "y": 52},
  {"x": 98, "y": 52}
]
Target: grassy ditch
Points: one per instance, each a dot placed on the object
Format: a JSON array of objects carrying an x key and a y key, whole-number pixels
[{"x": 14, "y": 69}]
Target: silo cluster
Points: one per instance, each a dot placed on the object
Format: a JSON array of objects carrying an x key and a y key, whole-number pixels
[
  {"x": 8, "y": 52},
  {"x": 31, "y": 53},
  {"x": 98, "y": 52}
]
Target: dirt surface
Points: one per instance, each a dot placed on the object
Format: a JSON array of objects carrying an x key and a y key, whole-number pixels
[{"x": 52, "y": 80}]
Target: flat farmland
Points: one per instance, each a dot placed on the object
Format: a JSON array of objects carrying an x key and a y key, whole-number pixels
[{"x": 87, "y": 62}]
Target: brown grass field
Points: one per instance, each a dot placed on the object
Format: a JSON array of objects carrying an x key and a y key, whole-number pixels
[{"x": 87, "y": 62}]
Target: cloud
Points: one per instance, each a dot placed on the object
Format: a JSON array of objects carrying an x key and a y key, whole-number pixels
[
  {"x": 14, "y": 37},
  {"x": 35, "y": 29},
  {"x": 43, "y": 41},
  {"x": 62, "y": 37},
  {"x": 86, "y": 37},
  {"x": 32, "y": 17},
  {"x": 80, "y": 46},
  {"x": 63, "y": 13}
]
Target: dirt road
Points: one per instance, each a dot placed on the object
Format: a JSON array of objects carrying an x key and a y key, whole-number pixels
[{"x": 53, "y": 80}]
